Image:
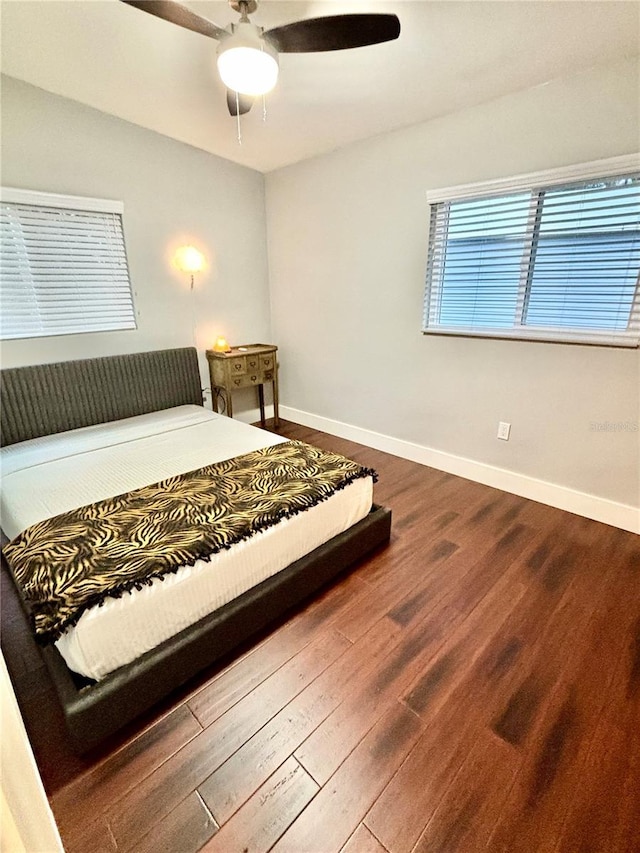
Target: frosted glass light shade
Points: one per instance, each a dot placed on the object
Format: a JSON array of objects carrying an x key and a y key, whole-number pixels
[
  {"x": 189, "y": 259},
  {"x": 246, "y": 63}
]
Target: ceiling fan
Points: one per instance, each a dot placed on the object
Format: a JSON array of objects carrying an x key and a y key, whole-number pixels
[{"x": 248, "y": 54}]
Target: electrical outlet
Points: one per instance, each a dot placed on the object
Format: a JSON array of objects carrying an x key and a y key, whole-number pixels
[{"x": 503, "y": 430}]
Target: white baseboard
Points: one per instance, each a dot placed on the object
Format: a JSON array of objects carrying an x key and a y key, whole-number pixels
[{"x": 590, "y": 506}]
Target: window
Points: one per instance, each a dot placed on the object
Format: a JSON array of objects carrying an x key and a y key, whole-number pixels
[
  {"x": 553, "y": 256},
  {"x": 63, "y": 266}
]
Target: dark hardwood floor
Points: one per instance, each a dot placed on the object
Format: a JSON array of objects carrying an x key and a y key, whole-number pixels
[{"x": 473, "y": 686}]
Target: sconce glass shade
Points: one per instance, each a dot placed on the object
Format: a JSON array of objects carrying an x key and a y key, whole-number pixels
[
  {"x": 189, "y": 259},
  {"x": 246, "y": 63}
]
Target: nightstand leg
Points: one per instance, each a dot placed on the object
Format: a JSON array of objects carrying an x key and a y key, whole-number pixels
[
  {"x": 276, "y": 415},
  {"x": 227, "y": 395},
  {"x": 261, "y": 399}
]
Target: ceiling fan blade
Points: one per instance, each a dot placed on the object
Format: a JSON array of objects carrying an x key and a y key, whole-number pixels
[
  {"x": 334, "y": 32},
  {"x": 180, "y": 15},
  {"x": 241, "y": 106}
]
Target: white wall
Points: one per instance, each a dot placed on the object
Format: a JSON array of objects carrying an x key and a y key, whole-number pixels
[
  {"x": 347, "y": 236},
  {"x": 26, "y": 821},
  {"x": 173, "y": 195}
]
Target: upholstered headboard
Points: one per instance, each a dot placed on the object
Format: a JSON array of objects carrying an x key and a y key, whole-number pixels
[{"x": 49, "y": 398}]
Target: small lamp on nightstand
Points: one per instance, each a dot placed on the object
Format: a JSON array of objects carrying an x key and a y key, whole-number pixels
[{"x": 221, "y": 345}]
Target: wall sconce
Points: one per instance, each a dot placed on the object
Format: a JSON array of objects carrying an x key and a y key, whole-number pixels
[{"x": 188, "y": 259}]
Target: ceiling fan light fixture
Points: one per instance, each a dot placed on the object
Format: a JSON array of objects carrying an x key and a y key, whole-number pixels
[
  {"x": 246, "y": 62},
  {"x": 248, "y": 54}
]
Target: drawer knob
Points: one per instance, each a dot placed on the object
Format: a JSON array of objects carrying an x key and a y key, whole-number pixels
[
  {"x": 253, "y": 378},
  {"x": 237, "y": 381}
]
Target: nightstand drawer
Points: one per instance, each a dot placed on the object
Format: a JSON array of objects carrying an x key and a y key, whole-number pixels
[
  {"x": 253, "y": 363},
  {"x": 238, "y": 365},
  {"x": 267, "y": 362},
  {"x": 247, "y": 380}
]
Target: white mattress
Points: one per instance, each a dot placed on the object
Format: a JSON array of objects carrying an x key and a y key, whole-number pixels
[{"x": 50, "y": 475}]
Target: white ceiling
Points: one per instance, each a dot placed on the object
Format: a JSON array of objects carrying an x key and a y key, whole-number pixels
[{"x": 451, "y": 54}]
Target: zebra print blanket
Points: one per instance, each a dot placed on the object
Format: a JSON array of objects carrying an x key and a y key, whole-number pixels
[{"x": 71, "y": 562}]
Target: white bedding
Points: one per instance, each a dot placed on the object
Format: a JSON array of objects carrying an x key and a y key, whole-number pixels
[{"x": 50, "y": 475}]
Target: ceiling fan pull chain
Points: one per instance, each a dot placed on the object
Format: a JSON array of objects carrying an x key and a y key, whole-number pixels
[
  {"x": 264, "y": 108},
  {"x": 238, "y": 119}
]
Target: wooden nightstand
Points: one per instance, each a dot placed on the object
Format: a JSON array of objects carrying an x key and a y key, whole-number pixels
[{"x": 243, "y": 366}]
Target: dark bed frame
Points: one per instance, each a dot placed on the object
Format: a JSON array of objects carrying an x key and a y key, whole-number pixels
[{"x": 46, "y": 399}]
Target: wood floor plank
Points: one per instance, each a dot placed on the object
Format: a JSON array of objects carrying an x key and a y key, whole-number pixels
[
  {"x": 186, "y": 829},
  {"x": 238, "y": 680},
  {"x": 102, "y": 786},
  {"x": 362, "y": 841},
  {"x": 134, "y": 815},
  {"x": 400, "y": 813},
  {"x": 263, "y": 819},
  {"x": 457, "y": 701},
  {"x": 502, "y": 594},
  {"x": 487, "y": 683},
  {"x": 94, "y": 835},
  {"x": 597, "y": 820},
  {"x": 243, "y": 773},
  {"x": 398, "y": 586},
  {"x": 327, "y": 746},
  {"x": 456, "y": 716},
  {"x": 430, "y": 584},
  {"x": 328, "y": 821},
  {"x": 465, "y": 816},
  {"x": 485, "y": 572},
  {"x": 546, "y": 785}
]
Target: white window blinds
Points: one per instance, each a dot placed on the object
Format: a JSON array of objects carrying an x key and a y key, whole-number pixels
[
  {"x": 63, "y": 266},
  {"x": 556, "y": 261}
]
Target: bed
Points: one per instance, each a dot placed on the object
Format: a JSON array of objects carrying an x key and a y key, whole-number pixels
[{"x": 77, "y": 432}]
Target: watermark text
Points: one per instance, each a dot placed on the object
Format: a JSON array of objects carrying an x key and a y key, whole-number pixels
[{"x": 613, "y": 426}]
